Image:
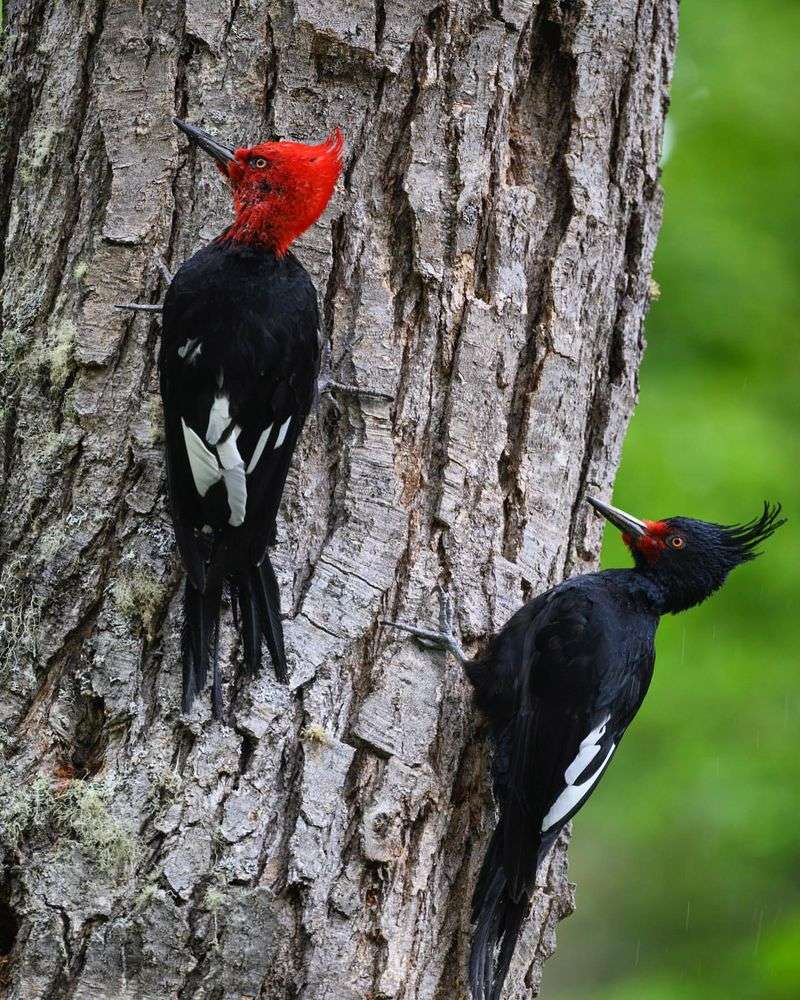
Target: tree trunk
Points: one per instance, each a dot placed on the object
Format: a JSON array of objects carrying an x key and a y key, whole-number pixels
[{"x": 486, "y": 261}]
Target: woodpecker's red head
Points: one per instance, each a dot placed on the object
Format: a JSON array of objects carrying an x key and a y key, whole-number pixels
[
  {"x": 279, "y": 188},
  {"x": 690, "y": 559}
]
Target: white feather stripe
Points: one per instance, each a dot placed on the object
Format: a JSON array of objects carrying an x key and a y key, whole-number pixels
[
  {"x": 572, "y": 796},
  {"x": 587, "y": 752},
  {"x": 236, "y": 488},
  {"x": 205, "y": 468},
  {"x": 228, "y": 450},
  {"x": 282, "y": 432},
  {"x": 219, "y": 417},
  {"x": 260, "y": 445},
  {"x": 234, "y": 475},
  {"x": 585, "y": 757}
]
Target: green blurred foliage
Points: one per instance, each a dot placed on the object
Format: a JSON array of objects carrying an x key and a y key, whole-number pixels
[{"x": 687, "y": 858}]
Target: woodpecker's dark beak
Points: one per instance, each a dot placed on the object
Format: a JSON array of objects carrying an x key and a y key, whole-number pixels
[
  {"x": 222, "y": 154},
  {"x": 626, "y": 523}
]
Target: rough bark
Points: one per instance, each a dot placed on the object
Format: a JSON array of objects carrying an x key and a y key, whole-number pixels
[{"x": 486, "y": 261}]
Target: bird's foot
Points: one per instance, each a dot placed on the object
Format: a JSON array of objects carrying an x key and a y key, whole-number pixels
[
  {"x": 328, "y": 384},
  {"x": 443, "y": 639},
  {"x": 166, "y": 274}
]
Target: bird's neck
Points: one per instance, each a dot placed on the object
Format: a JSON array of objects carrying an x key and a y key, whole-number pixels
[
  {"x": 253, "y": 227},
  {"x": 639, "y": 588},
  {"x": 671, "y": 594}
]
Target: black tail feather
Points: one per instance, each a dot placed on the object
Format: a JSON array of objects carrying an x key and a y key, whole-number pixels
[
  {"x": 259, "y": 606},
  {"x": 257, "y": 612},
  {"x": 249, "y": 624},
  {"x": 513, "y": 916},
  {"x": 199, "y": 644},
  {"x": 497, "y": 920},
  {"x": 268, "y": 602}
]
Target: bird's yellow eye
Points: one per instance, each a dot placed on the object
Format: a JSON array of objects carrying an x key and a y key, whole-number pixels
[
  {"x": 677, "y": 542},
  {"x": 260, "y": 162}
]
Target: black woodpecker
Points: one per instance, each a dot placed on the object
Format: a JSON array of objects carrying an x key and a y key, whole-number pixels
[
  {"x": 559, "y": 684},
  {"x": 239, "y": 362}
]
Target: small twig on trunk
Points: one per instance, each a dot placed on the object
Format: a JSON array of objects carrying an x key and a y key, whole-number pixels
[{"x": 140, "y": 306}]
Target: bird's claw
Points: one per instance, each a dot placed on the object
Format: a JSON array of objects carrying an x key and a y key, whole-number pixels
[
  {"x": 443, "y": 639},
  {"x": 446, "y": 611},
  {"x": 426, "y": 636}
]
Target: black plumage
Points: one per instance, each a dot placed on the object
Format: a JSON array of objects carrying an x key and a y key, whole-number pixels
[
  {"x": 239, "y": 362},
  {"x": 240, "y": 332},
  {"x": 559, "y": 684},
  {"x": 563, "y": 678}
]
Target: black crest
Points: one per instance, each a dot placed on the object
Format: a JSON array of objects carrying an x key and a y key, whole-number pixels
[{"x": 742, "y": 540}]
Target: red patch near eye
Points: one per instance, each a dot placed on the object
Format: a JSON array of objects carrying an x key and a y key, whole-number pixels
[
  {"x": 651, "y": 547},
  {"x": 236, "y": 169},
  {"x": 653, "y": 543}
]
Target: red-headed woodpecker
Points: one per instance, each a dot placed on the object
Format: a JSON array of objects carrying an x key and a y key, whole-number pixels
[
  {"x": 239, "y": 362},
  {"x": 560, "y": 683}
]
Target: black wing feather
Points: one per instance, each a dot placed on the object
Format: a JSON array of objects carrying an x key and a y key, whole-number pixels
[
  {"x": 547, "y": 681},
  {"x": 242, "y": 323}
]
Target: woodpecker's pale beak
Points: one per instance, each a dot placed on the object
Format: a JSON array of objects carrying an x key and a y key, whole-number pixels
[
  {"x": 627, "y": 523},
  {"x": 222, "y": 154}
]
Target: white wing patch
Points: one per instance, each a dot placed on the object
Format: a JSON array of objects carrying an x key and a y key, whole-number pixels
[
  {"x": 208, "y": 469},
  {"x": 282, "y": 432},
  {"x": 228, "y": 450},
  {"x": 204, "y": 466},
  {"x": 260, "y": 445},
  {"x": 236, "y": 488},
  {"x": 233, "y": 473},
  {"x": 574, "y": 794},
  {"x": 218, "y": 418},
  {"x": 228, "y": 464},
  {"x": 587, "y": 751}
]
